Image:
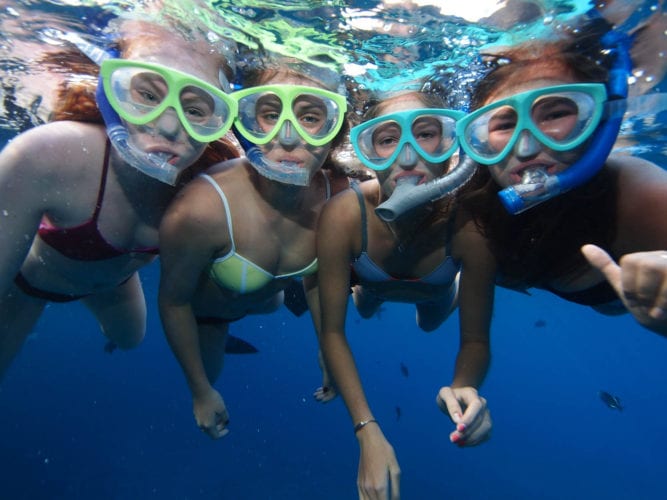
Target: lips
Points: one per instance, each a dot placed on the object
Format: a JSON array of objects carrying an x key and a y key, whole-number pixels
[{"x": 421, "y": 177}]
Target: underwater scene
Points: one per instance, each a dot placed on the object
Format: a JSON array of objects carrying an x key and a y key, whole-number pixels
[{"x": 577, "y": 398}]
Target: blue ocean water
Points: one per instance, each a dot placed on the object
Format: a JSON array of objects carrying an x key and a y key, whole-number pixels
[{"x": 79, "y": 423}]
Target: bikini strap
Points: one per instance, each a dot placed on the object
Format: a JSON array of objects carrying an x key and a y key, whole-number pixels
[
  {"x": 228, "y": 213},
  {"x": 103, "y": 181},
  {"x": 362, "y": 207}
]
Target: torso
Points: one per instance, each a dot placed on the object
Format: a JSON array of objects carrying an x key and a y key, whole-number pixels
[
  {"x": 423, "y": 269},
  {"x": 279, "y": 239},
  {"x": 128, "y": 218}
]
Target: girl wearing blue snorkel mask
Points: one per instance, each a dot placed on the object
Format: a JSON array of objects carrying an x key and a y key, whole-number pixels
[
  {"x": 536, "y": 120},
  {"x": 79, "y": 218},
  {"x": 415, "y": 257},
  {"x": 238, "y": 235}
]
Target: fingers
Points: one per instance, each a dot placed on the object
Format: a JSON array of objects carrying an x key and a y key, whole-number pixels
[
  {"x": 218, "y": 428},
  {"x": 473, "y": 426},
  {"x": 390, "y": 489},
  {"x": 395, "y": 478},
  {"x": 448, "y": 404},
  {"x": 644, "y": 283},
  {"x": 324, "y": 394},
  {"x": 603, "y": 262}
]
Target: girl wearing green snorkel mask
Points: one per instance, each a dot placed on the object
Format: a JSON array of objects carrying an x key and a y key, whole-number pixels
[
  {"x": 416, "y": 257},
  {"x": 536, "y": 117},
  {"x": 80, "y": 218},
  {"x": 237, "y": 236}
]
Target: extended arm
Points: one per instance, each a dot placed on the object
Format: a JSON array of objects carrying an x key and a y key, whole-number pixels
[
  {"x": 185, "y": 250},
  {"x": 338, "y": 228},
  {"x": 461, "y": 401}
]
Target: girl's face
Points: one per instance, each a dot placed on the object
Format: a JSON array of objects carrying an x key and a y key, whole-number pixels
[
  {"x": 528, "y": 154},
  {"x": 427, "y": 131},
  {"x": 288, "y": 147},
  {"x": 165, "y": 135}
]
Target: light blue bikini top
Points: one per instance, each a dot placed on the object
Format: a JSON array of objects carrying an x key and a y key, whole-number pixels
[{"x": 368, "y": 272}]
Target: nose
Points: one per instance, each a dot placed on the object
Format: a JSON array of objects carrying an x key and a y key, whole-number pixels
[
  {"x": 408, "y": 157},
  {"x": 287, "y": 136},
  {"x": 167, "y": 124},
  {"x": 526, "y": 145}
]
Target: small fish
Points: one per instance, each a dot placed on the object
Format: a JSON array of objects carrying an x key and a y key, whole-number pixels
[
  {"x": 236, "y": 345},
  {"x": 540, "y": 323},
  {"x": 613, "y": 402},
  {"x": 398, "y": 413},
  {"x": 404, "y": 370}
]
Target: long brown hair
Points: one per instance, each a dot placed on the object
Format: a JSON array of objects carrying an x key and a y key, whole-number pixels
[{"x": 538, "y": 245}]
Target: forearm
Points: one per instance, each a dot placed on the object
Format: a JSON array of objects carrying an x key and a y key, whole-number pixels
[
  {"x": 472, "y": 363},
  {"x": 181, "y": 330},
  {"x": 340, "y": 362}
]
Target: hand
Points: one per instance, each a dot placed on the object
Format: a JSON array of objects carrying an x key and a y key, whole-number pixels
[
  {"x": 211, "y": 414},
  {"x": 640, "y": 280},
  {"x": 469, "y": 412},
  {"x": 327, "y": 392},
  {"x": 378, "y": 467}
]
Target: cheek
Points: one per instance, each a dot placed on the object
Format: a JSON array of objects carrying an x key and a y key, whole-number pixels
[{"x": 497, "y": 172}]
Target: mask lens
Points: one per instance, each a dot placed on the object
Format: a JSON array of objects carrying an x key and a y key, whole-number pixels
[
  {"x": 563, "y": 117},
  {"x": 139, "y": 95},
  {"x": 432, "y": 135},
  {"x": 137, "y": 92},
  {"x": 559, "y": 120},
  {"x": 262, "y": 113}
]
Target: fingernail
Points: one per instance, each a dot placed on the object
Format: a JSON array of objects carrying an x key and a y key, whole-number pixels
[
  {"x": 461, "y": 427},
  {"x": 454, "y": 437},
  {"x": 658, "y": 313}
]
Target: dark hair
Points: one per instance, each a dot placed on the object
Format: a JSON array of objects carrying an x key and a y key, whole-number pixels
[{"x": 536, "y": 246}]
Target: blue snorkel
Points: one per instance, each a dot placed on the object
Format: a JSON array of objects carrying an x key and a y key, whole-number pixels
[
  {"x": 537, "y": 187},
  {"x": 151, "y": 164}
]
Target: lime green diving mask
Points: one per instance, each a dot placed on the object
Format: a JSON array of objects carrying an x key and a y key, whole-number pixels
[
  {"x": 431, "y": 132},
  {"x": 140, "y": 92},
  {"x": 560, "y": 117},
  {"x": 316, "y": 115}
]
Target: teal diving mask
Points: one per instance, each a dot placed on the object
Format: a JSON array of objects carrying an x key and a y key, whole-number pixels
[{"x": 431, "y": 132}]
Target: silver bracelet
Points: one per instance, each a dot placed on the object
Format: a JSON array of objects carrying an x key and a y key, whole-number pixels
[{"x": 363, "y": 424}]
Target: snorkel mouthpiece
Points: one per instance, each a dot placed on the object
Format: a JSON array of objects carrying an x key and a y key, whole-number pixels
[
  {"x": 409, "y": 195},
  {"x": 529, "y": 193},
  {"x": 286, "y": 173},
  {"x": 154, "y": 165}
]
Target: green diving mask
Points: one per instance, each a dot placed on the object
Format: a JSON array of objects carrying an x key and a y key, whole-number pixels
[
  {"x": 315, "y": 114},
  {"x": 140, "y": 92}
]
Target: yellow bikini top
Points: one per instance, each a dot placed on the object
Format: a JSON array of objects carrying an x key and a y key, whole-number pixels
[{"x": 238, "y": 274}]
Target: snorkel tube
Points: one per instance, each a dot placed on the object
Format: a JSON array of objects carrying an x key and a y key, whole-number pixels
[
  {"x": 408, "y": 195},
  {"x": 537, "y": 187},
  {"x": 152, "y": 164}
]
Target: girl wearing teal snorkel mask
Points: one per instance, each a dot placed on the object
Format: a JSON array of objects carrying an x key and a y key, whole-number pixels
[
  {"x": 535, "y": 118},
  {"x": 417, "y": 258},
  {"x": 238, "y": 235},
  {"x": 80, "y": 219}
]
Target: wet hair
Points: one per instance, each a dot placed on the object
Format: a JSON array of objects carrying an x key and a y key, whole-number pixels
[
  {"x": 75, "y": 98},
  {"x": 534, "y": 247}
]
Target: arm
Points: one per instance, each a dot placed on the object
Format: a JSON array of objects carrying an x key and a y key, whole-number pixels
[
  {"x": 461, "y": 400},
  {"x": 185, "y": 250},
  {"x": 640, "y": 276},
  {"x": 28, "y": 173},
  {"x": 338, "y": 229}
]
